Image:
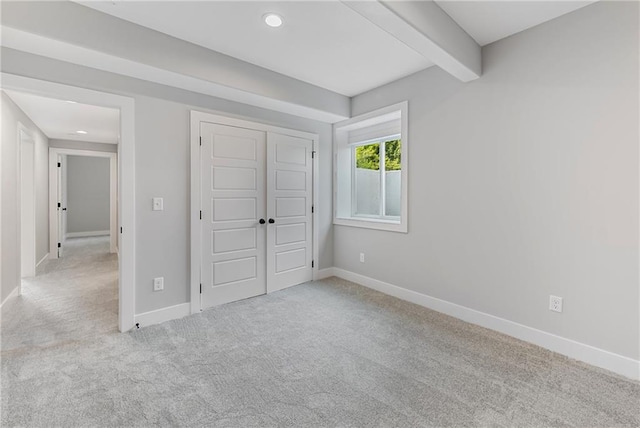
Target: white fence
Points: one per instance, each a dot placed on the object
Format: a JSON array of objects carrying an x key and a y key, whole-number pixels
[{"x": 368, "y": 192}]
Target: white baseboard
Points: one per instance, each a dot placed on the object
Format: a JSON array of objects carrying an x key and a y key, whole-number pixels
[
  {"x": 13, "y": 293},
  {"x": 616, "y": 363},
  {"x": 86, "y": 234},
  {"x": 43, "y": 259},
  {"x": 325, "y": 273},
  {"x": 161, "y": 315}
]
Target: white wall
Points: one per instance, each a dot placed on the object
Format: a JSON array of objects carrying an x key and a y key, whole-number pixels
[
  {"x": 88, "y": 188},
  {"x": 524, "y": 183},
  {"x": 10, "y": 246},
  {"x": 162, "y": 167}
]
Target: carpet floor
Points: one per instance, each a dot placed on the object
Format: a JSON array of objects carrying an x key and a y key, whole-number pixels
[{"x": 322, "y": 354}]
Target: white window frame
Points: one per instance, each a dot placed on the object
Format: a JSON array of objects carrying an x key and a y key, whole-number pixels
[{"x": 344, "y": 181}]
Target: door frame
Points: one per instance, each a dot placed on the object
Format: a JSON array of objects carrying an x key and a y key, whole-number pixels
[
  {"x": 196, "y": 249},
  {"x": 54, "y": 152},
  {"x": 23, "y": 132},
  {"x": 126, "y": 172}
]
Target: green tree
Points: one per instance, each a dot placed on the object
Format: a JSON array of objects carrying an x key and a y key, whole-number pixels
[
  {"x": 368, "y": 156},
  {"x": 392, "y": 155}
]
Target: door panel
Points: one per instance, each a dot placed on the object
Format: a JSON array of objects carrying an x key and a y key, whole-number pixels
[
  {"x": 233, "y": 240},
  {"x": 289, "y": 202},
  {"x": 233, "y": 200}
]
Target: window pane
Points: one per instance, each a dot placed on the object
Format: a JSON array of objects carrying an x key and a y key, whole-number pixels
[
  {"x": 367, "y": 177},
  {"x": 393, "y": 180}
]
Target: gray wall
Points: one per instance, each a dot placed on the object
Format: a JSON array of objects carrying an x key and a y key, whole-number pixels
[
  {"x": 10, "y": 245},
  {"x": 83, "y": 145},
  {"x": 162, "y": 167},
  {"x": 87, "y": 194},
  {"x": 524, "y": 183}
]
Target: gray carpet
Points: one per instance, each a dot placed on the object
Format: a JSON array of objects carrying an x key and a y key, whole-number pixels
[{"x": 327, "y": 353}]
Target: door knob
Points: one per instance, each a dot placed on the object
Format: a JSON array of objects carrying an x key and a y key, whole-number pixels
[
  {"x": 262, "y": 221},
  {"x": 271, "y": 221}
]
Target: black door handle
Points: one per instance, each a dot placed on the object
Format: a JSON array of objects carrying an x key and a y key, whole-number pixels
[
  {"x": 271, "y": 221},
  {"x": 64, "y": 209},
  {"x": 262, "y": 221}
]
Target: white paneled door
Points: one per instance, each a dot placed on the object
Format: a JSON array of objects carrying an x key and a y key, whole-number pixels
[
  {"x": 233, "y": 202},
  {"x": 289, "y": 207},
  {"x": 256, "y": 195}
]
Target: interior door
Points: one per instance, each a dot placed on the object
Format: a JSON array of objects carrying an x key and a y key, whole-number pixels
[
  {"x": 62, "y": 206},
  {"x": 289, "y": 208},
  {"x": 233, "y": 202}
]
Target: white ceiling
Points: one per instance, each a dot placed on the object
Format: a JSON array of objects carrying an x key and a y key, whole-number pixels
[
  {"x": 324, "y": 43},
  {"x": 489, "y": 21},
  {"x": 61, "y": 119}
]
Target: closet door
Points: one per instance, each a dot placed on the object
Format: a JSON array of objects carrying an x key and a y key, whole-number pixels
[
  {"x": 289, "y": 211},
  {"x": 233, "y": 202}
]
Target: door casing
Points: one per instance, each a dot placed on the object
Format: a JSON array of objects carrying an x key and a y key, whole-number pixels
[
  {"x": 196, "y": 239},
  {"x": 125, "y": 169},
  {"x": 54, "y": 228}
]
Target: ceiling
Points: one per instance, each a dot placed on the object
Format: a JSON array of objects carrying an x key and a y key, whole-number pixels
[
  {"x": 489, "y": 21},
  {"x": 324, "y": 43},
  {"x": 60, "y": 119}
]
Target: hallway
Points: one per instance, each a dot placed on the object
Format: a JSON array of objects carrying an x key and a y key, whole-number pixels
[{"x": 71, "y": 298}]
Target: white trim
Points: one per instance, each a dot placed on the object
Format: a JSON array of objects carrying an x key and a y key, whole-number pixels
[
  {"x": 15, "y": 292},
  {"x": 126, "y": 171},
  {"x": 161, "y": 315},
  {"x": 616, "y": 363},
  {"x": 86, "y": 234},
  {"x": 196, "y": 260},
  {"x": 42, "y": 259},
  {"x": 195, "y": 118},
  {"x": 325, "y": 273},
  {"x": 315, "y": 223},
  {"x": 341, "y": 144}
]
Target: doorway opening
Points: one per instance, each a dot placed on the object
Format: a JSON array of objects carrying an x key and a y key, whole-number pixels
[
  {"x": 122, "y": 166},
  {"x": 83, "y": 195}
]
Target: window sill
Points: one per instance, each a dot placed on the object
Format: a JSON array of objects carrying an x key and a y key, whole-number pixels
[{"x": 379, "y": 224}]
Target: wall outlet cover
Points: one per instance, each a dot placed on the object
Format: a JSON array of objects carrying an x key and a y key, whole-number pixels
[
  {"x": 158, "y": 284},
  {"x": 158, "y": 204},
  {"x": 555, "y": 303}
]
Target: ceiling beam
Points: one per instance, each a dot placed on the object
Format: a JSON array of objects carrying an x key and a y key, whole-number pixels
[
  {"x": 428, "y": 30},
  {"x": 74, "y": 33}
]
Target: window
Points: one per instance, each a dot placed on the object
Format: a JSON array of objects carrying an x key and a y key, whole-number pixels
[{"x": 371, "y": 170}]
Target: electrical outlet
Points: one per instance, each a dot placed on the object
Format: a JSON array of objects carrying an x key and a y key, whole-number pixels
[
  {"x": 158, "y": 284},
  {"x": 158, "y": 204},
  {"x": 555, "y": 303},
  {"x": 361, "y": 257}
]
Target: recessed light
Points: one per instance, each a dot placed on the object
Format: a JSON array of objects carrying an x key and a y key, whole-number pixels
[
  {"x": 71, "y": 102},
  {"x": 81, "y": 132},
  {"x": 272, "y": 20}
]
